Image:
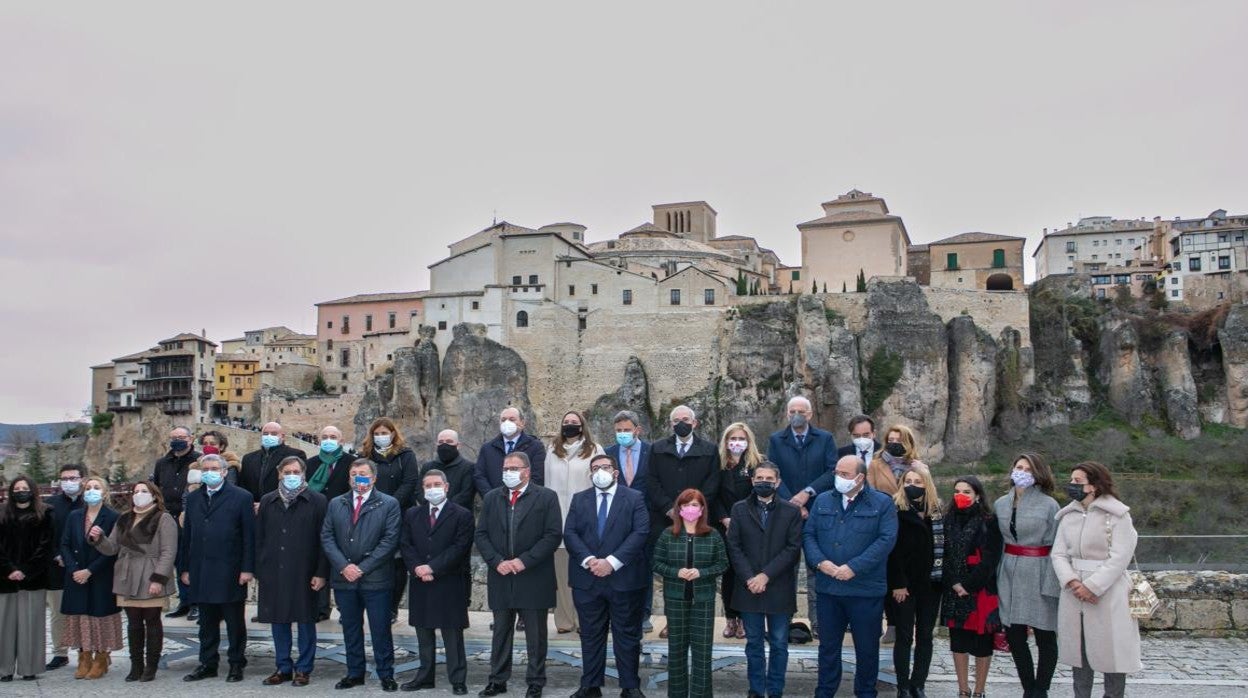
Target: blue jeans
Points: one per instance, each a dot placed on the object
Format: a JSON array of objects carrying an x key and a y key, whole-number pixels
[
  {"x": 352, "y": 605},
  {"x": 863, "y": 615},
  {"x": 282, "y": 642},
  {"x": 766, "y": 676}
]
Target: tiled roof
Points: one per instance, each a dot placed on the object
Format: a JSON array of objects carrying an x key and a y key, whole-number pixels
[
  {"x": 850, "y": 218},
  {"x": 377, "y": 298},
  {"x": 977, "y": 237},
  {"x": 188, "y": 337}
]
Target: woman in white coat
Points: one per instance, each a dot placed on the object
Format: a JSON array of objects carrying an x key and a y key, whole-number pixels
[
  {"x": 1093, "y": 548},
  {"x": 567, "y": 472}
]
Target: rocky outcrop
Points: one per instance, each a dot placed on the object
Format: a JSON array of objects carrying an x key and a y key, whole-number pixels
[
  {"x": 633, "y": 395},
  {"x": 1128, "y": 386},
  {"x": 901, "y": 327},
  {"x": 480, "y": 377},
  {"x": 827, "y": 364},
  {"x": 972, "y": 391},
  {"x": 1204, "y": 603},
  {"x": 1234, "y": 339},
  {"x": 1173, "y": 368}
]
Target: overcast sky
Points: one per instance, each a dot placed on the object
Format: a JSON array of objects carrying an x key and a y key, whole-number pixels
[{"x": 165, "y": 169}]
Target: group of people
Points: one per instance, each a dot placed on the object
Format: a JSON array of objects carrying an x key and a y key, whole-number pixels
[{"x": 580, "y": 530}]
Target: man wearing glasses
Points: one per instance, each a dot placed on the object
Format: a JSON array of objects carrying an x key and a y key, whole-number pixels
[{"x": 60, "y": 506}]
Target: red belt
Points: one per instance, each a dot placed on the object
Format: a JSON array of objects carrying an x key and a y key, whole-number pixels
[{"x": 1028, "y": 550}]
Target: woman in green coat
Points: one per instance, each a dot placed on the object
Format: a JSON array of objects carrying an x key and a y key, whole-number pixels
[{"x": 690, "y": 558}]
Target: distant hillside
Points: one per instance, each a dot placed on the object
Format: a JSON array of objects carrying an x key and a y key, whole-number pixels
[{"x": 27, "y": 434}]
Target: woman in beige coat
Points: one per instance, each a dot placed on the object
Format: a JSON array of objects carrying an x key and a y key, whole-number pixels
[
  {"x": 1094, "y": 546},
  {"x": 145, "y": 541},
  {"x": 567, "y": 472}
]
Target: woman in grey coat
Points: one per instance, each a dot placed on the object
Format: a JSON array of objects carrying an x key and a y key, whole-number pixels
[
  {"x": 145, "y": 541},
  {"x": 1026, "y": 583}
]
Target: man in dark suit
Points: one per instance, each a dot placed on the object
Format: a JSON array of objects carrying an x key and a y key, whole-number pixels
[
  {"x": 436, "y": 543},
  {"x": 60, "y": 506},
  {"x": 632, "y": 458},
  {"x": 517, "y": 535},
  {"x": 605, "y": 534},
  {"x": 259, "y": 473},
  {"x": 511, "y": 437},
  {"x": 862, "y": 439},
  {"x": 218, "y": 549},
  {"x": 763, "y": 543}
]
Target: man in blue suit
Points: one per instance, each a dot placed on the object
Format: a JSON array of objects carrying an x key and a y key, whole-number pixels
[
  {"x": 605, "y": 534},
  {"x": 632, "y": 458}
]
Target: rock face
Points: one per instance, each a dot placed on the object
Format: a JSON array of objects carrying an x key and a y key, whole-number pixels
[
  {"x": 1234, "y": 339},
  {"x": 633, "y": 394},
  {"x": 1128, "y": 387},
  {"x": 900, "y": 324},
  {"x": 972, "y": 391},
  {"x": 1178, "y": 388},
  {"x": 827, "y": 365}
]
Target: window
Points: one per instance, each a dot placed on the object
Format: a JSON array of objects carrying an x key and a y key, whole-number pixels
[
  {"x": 1130, "y": 241},
  {"x": 1221, "y": 237},
  {"x": 368, "y": 323},
  {"x": 571, "y": 290},
  {"x": 1094, "y": 257},
  {"x": 441, "y": 324},
  {"x": 392, "y": 319},
  {"x": 1096, "y": 243},
  {"x": 797, "y": 275},
  {"x": 329, "y": 345},
  {"x": 1122, "y": 278},
  {"x": 580, "y": 323},
  {"x": 1174, "y": 293},
  {"x": 344, "y": 388},
  {"x": 708, "y": 296},
  {"x": 346, "y": 324},
  {"x": 1118, "y": 241},
  {"x": 951, "y": 260},
  {"x": 329, "y": 325},
  {"x": 515, "y": 281},
  {"x": 222, "y": 379},
  {"x": 238, "y": 392},
  {"x": 1100, "y": 280},
  {"x": 675, "y": 296},
  {"x": 1239, "y": 238},
  {"x": 476, "y": 305},
  {"x": 389, "y": 357},
  {"x": 998, "y": 259},
  {"x": 532, "y": 279},
  {"x": 1178, "y": 265},
  {"x": 522, "y": 319},
  {"x": 628, "y": 296},
  {"x": 1174, "y": 280},
  {"x": 1070, "y": 246},
  {"x": 344, "y": 359},
  {"x": 1224, "y": 262},
  {"x": 1100, "y": 293},
  {"x": 593, "y": 289},
  {"x": 1070, "y": 257},
  {"x": 1193, "y": 263}
]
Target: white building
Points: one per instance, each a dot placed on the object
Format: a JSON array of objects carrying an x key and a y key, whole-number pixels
[
  {"x": 1208, "y": 259},
  {"x": 1095, "y": 243}
]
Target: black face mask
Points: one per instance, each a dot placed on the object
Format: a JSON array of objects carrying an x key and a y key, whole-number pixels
[
  {"x": 570, "y": 431},
  {"x": 895, "y": 449},
  {"x": 915, "y": 493},
  {"x": 764, "y": 489},
  {"x": 23, "y": 497},
  {"x": 178, "y": 445},
  {"x": 1075, "y": 492},
  {"x": 682, "y": 429},
  {"x": 447, "y": 452}
]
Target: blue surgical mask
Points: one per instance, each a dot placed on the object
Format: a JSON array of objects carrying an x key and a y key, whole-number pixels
[
  {"x": 624, "y": 438},
  {"x": 292, "y": 482},
  {"x": 329, "y": 445},
  {"x": 93, "y": 497},
  {"x": 270, "y": 440},
  {"x": 382, "y": 441},
  {"x": 211, "y": 478}
]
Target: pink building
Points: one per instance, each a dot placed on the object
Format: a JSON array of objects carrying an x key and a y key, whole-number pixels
[{"x": 342, "y": 324}]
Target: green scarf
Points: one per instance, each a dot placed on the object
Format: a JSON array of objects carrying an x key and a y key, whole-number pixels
[{"x": 321, "y": 477}]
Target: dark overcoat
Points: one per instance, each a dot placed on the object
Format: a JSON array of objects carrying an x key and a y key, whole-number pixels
[
  {"x": 772, "y": 550},
  {"x": 442, "y": 603},
  {"x": 530, "y": 532},
  {"x": 288, "y": 556},
  {"x": 95, "y": 598},
  {"x": 218, "y": 543},
  {"x": 60, "y": 505}
]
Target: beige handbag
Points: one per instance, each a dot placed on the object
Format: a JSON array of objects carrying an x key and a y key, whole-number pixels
[{"x": 1141, "y": 598}]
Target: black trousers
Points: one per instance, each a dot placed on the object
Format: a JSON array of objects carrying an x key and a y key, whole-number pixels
[
  {"x": 210, "y": 617},
  {"x": 727, "y": 582},
  {"x": 456, "y": 660},
  {"x": 1046, "y": 641},
  {"x": 400, "y": 575},
  {"x": 534, "y": 641},
  {"x": 600, "y": 611},
  {"x": 915, "y": 620}
]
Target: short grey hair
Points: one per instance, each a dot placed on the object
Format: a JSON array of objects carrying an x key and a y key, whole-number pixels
[
  {"x": 434, "y": 472},
  {"x": 801, "y": 398},
  {"x": 303, "y": 467},
  {"x": 672, "y": 415},
  {"x": 183, "y": 428},
  {"x": 520, "y": 456},
  {"x": 626, "y": 416},
  {"x": 372, "y": 467},
  {"x": 213, "y": 456}
]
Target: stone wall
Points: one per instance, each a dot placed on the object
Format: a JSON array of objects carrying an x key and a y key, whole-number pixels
[
  {"x": 1201, "y": 604},
  {"x": 310, "y": 413}
]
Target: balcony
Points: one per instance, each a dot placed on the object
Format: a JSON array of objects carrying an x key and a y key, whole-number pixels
[{"x": 150, "y": 390}]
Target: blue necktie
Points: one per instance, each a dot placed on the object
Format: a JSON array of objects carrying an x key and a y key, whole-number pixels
[{"x": 602, "y": 516}]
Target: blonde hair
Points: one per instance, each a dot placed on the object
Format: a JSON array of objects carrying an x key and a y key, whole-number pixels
[
  {"x": 907, "y": 440},
  {"x": 750, "y": 458},
  {"x": 931, "y": 498}
]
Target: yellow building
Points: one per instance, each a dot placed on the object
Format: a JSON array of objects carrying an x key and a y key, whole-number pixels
[
  {"x": 977, "y": 262},
  {"x": 236, "y": 385}
]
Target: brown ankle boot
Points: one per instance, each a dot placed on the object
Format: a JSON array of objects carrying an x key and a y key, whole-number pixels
[
  {"x": 84, "y": 664},
  {"x": 100, "y": 667}
]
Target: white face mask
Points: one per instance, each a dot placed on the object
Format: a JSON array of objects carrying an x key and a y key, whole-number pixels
[
  {"x": 142, "y": 499},
  {"x": 845, "y": 486},
  {"x": 71, "y": 487},
  {"x": 511, "y": 478},
  {"x": 863, "y": 443},
  {"x": 381, "y": 441},
  {"x": 508, "y": 427},
  {"x": 194, "y": 476},
  {"x": 602, "y": 479},
  {"x": 435, "y": 495},
  {"x": 736, "y": 446}
]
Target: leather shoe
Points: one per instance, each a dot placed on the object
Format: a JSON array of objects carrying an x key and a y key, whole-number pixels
[
  {"x": 201, "y": 672},
  {"x": 178, "y": 612},
  {"x": 301, "y": 679},
  {"x": 459, "y": 689},
  {"x": 56, "y": 663},
  {"x": 235, "y": 675},
  {"x": 349, "y": 682},
  {"x": 276, "y": 678},
  {"x": 917, "y": 693},
  {"x": 493, "y": 689},
  {"x": 632, "y": 693},
  {"x": 588, "y": 692},
  {"x": 415, "y": 685},
  {"x": 389, "y": 685},
  {"x": 193, "y": 615},
  {"x": 533, "y": 692}
]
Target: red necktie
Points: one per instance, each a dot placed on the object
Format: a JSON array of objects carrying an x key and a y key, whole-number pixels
[
  {"x": 515, "y": 494},
  {"x": 433, "y": 517},
  {"x": 359, "y": 502}
]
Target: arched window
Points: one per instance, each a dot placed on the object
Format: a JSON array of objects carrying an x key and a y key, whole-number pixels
[
  {"x": 1000, "y": 282},
  {"x": 522, "y": 319}
]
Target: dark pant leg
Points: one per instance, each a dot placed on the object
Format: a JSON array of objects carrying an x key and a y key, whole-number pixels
[
  {"x": 210, "y": 616},
  {"x": 832, "y": 624},
  {"x": 236, "y": 632},
  {"x": 625, "y": 622},
  {"x": 904, "y": 614},
  {"x": 535, "y": 643},
  {"x": 322, "y": 599},
  {"x": 726, "y": 583},
  {"x": 1016, "y": 635},
  {"x": 1046, "y": 643},
  {"x": 401, "y": 575},
  {"x": 351, "y": 615},
  {"x": 427, "y": 643},
  {"x": 778, "y": 650},
  {"x": 500, "y": 645},
  {"x": 755, "y": 656},
  {"x": 378, "y": 604},
  {"x": 677, "y": 646},
  {"x": 592, "y": 613},
  {"x": 865, "y": 614},
  {"x": 648, "y": 601},
  {"x": 701, "y": 640},
  {"x": 927, "y": 608},
  {"x": 283, "y": 641},
  {"x": 307, "y": 648},
  {"x": 456, "y": 659}
]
